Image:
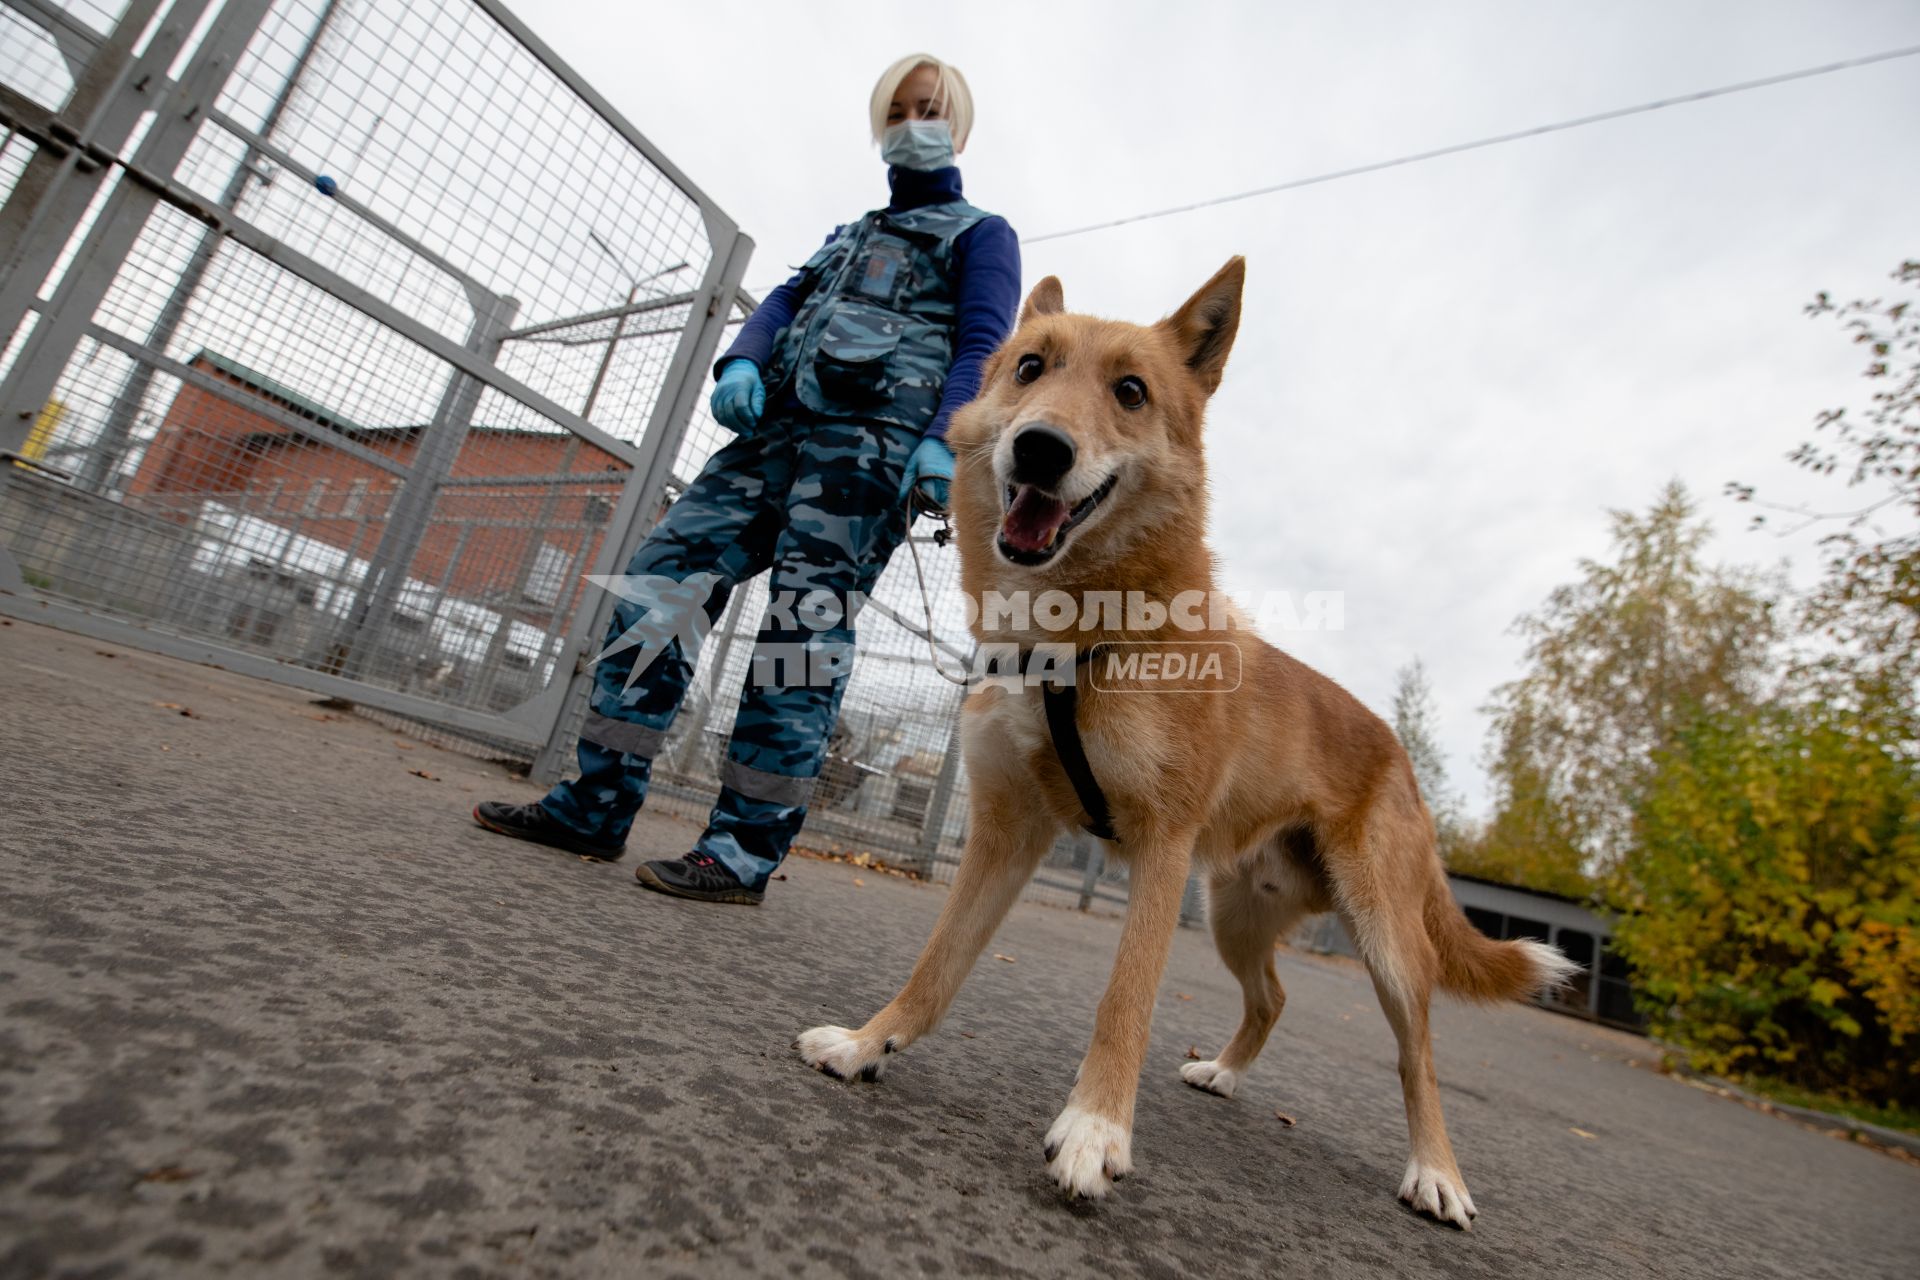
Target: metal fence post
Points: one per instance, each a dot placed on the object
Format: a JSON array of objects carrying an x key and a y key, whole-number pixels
[
  {"x": 440, "y": 447},
  {"x": 1096, "y": 863},
  {"x": 944, "y": 788},
  {"x": 1192, "y": 906}
]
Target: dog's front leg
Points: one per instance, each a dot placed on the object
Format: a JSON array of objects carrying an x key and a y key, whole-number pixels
[
  {"x": 1005, "y": 841},
  {"x": 1091, "y": 1143}
]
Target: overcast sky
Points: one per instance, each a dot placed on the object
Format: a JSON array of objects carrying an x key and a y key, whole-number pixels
[{"x": 1446, "y": 374}]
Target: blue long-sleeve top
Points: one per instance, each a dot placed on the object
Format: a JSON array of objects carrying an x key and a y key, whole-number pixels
[{"x": 987, "y": 290}]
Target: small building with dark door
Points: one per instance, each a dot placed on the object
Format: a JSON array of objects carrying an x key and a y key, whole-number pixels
[{"x": 1601, "y": 990}]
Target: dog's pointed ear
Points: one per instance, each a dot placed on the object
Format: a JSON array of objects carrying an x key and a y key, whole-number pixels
[
  {"x": 1047, "y": 299},
  {"x": 1206, "y": 323}
]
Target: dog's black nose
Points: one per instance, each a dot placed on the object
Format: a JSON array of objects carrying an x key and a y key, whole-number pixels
[{"x": 1042, "y": 455}]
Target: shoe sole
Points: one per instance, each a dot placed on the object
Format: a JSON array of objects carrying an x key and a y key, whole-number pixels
[
  {"x": 744, "y": 897},
  {"x": 534, "y": 837}
]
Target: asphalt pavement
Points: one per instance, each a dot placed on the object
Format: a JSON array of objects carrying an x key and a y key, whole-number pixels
[{"x": 270, "y": 1004}]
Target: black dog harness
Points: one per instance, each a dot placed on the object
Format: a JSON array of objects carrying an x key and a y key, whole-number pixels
[{"x": 1062, "y": 705}]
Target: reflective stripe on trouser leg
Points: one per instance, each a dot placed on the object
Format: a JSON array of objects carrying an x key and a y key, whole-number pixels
[
  {"x": 623, "y": 735},
  {"x": 772, "y": 788},
  {"x": 724, "y": 525},
  {"x": 779, "y": 740},
  {"x": 843, "y": 522}
]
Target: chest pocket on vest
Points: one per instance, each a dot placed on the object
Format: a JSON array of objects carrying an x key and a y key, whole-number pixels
[
  {"x": 856, "y": 351},
  {"x": 884, "y": 273}
]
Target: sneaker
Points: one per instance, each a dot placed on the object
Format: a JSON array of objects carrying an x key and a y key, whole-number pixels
[
  {"x": 698, "y": 876},
  {"x": 533, "y": 822}
]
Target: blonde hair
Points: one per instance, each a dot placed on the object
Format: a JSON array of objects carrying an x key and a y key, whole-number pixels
[{"x": 950, "y": 88}]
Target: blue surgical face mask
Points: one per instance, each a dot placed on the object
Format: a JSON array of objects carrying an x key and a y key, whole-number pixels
[{"x": 918, "y": 144}]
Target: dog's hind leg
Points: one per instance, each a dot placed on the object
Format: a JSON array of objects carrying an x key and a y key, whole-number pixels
[
  {"x": 1091, "y": 1142},
  {"x": 1249, "y": 907},
  {"x": 1005, "y": 842},
  {"x": 1403, "y": 964}
]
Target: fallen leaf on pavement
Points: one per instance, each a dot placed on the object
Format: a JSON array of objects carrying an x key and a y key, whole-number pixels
[
  {"x": 404, "y": 746},
  {"x": 1582, "y": 1132},
  {"x": 169, "y": 1173},
  {"x": 998, "y": 956},
  {"x": 188, "y": 712},
  {"x": 1183, "y": 995},
  {"x": 781, "y": 876},
  {"x": 1193, "y": 1053},
  {"x": 422, "y": 773},
  {"x": 1285, "y": 1119},
  {"x": 858, "y": 883}
]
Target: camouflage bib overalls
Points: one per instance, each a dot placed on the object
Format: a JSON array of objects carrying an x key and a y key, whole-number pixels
[{"x": 812, "y": 494}]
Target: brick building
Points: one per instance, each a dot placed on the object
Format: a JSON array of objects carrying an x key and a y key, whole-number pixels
[{"x": 505, "y": 534}]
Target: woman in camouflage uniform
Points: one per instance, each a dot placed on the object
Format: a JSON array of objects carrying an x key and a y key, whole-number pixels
[{"x": 839, "y": 389}]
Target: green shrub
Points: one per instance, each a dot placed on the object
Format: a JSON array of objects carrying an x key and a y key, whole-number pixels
[{"x": 1771, "y": 909}]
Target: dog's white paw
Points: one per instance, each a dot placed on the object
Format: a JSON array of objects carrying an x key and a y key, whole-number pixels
[
  {"x": 1438, "y": 1194},
  {"x": 1087, "y": 1154},
  {"x": 836, "y": 1051},
  {"x": 1211, "y": 1076}
]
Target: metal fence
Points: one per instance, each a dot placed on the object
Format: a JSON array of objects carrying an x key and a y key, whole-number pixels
[
  {"x": 343, "y": 338},
  {"x": 346, "y": 336}
]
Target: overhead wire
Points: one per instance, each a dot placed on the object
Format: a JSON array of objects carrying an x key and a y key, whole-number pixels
[{"x": 1417, "y": 157}]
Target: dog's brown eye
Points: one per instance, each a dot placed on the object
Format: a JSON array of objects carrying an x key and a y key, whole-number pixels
[
  {"x": 1028, "y": 368},
  {"x": 1130, "y": 392}
]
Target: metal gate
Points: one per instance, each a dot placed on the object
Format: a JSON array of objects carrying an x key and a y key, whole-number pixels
[{"x": 343, "y": 338}]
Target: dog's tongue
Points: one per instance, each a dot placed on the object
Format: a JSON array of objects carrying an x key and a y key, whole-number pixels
[{"x": 1033, "y": 519}]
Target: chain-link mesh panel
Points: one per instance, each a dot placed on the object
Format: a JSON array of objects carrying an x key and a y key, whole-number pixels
[
  {"x": 441, "y": 124},
  {"x": 30, "y": 61},
  {"x": 616, "y": 365},
  {"x": 366, "y": 388}
]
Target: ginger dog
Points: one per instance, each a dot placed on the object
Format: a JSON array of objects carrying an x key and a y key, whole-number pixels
[{"x": 1080, "y": 470}]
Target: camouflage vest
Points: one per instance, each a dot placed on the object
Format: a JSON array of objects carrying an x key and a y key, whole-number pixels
[{"x": 874, "y": 337}]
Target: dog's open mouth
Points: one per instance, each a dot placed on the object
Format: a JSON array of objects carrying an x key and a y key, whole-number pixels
[{"x": 1036, "y": 522}]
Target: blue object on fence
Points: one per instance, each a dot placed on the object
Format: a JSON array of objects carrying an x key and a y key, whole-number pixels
[{"x": 326, "y": 186}]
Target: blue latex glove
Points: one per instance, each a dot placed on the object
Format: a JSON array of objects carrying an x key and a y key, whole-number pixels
[
  {"x": 739, "y": 397},
  {"x": 929, "y": 470}
]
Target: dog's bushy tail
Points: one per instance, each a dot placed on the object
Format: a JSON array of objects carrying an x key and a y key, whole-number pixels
[{"x": 1476, "y": 967}]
